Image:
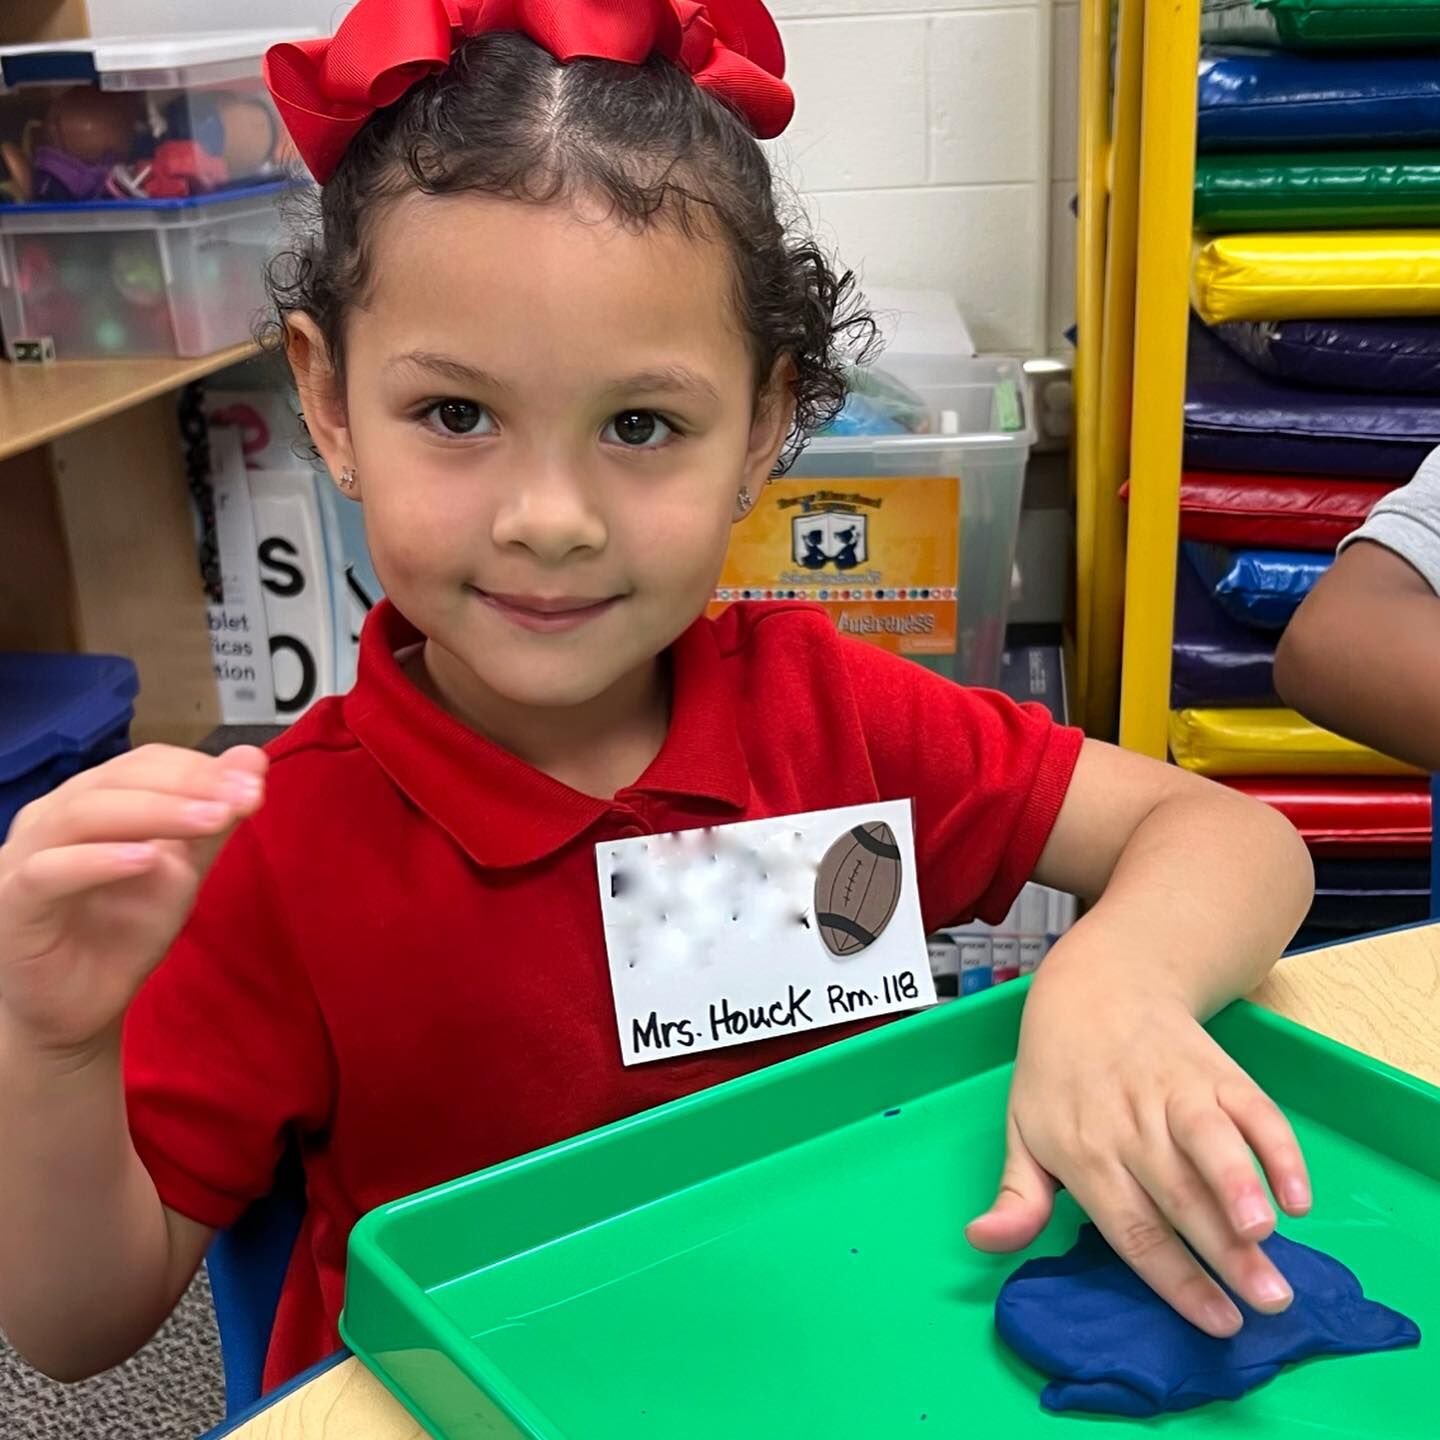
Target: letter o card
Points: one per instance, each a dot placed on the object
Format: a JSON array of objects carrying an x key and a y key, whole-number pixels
[{"x": 737, "y": 933}]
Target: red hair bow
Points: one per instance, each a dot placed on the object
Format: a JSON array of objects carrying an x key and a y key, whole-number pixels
[{"x": 326, "y": 90}]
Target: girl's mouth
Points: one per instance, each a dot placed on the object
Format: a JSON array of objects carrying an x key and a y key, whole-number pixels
[{"x": 547, "y": 614}]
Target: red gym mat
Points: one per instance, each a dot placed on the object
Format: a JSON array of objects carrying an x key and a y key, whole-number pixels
[
  {"x": 1349, "y": 816},
  {"x": 1283, "y": 511}
]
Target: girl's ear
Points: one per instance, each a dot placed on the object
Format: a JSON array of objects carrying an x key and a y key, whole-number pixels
[
  {"x": 770, "y": 428},
  {"x": 321, "y": 401}
]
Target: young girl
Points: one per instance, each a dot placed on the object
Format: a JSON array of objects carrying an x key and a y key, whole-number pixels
[{"x": 554, "y": 338}]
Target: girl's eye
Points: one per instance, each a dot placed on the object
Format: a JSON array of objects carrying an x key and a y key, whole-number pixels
[
  {"x": 639, "y": 430},
  {"x": 459, "y": 417}
]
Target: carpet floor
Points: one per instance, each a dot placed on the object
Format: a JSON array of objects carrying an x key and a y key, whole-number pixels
[{"x": 172, "y": 1390}]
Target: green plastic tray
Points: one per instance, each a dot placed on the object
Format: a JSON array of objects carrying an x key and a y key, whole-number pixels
[{"x": 782, "y": 1256}]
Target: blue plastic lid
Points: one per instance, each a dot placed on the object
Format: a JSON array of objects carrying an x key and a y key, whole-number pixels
[
  {"x": 246, "y": 191},
  {"x": 54, "y": 705}
]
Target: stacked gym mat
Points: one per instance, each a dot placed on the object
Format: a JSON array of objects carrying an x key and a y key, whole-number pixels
[{"x": 1313, "y": 388}]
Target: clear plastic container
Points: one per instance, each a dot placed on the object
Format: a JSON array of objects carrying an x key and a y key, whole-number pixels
[
  {"x": 182, "y": 277},
  {"x": 158, "y": 118},
  {"x": 981, "y": 399}
]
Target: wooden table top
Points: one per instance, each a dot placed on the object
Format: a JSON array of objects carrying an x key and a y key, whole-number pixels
[{"x": 1379, "y": 995}]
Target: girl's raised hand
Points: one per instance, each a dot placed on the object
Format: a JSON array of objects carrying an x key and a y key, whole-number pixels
[
  {"x": 98, "y": 877},
  {"x": 1127, "y": 1102}
]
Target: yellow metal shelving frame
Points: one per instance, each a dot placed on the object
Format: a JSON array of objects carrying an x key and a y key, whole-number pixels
[{"x": 1137, "y": 175}]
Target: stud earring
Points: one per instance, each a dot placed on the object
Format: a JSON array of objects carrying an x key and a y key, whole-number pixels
[
  {"x": 347, "y": 479},
  {"x": 746, "y": 500}
]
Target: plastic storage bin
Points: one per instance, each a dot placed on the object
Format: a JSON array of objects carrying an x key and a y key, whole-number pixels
[
  {"x": 59, "y": 714},
  {"x": 157, "y": 118},
  {"x": 149, "y": 277},
  {"x": 919, "y": 559},
  {"x": 988, "y": 453}
]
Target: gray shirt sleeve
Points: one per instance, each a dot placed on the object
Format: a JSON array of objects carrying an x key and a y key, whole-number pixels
[{"x": 1407, "y": 522}]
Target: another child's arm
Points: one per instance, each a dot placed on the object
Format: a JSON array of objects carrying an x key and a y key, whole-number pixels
[
  {"x": 1119, "y": 1094},
  {"x": 1362, "y": 655},
  {"x": 96, "y": 880}
]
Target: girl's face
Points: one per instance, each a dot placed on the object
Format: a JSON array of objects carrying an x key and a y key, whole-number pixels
[{"x": 550, "y": 418}]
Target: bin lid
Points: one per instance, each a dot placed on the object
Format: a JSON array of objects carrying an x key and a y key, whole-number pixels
[
  {"x": 83, "y": 214},
  {"x": 131, "y": 58},
  {"x": 919, "y": 322},
  {"x": 52, "y": 705}
]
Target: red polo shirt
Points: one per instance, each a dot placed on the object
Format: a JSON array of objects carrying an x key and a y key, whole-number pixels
[{"x": 398, "y": 965}]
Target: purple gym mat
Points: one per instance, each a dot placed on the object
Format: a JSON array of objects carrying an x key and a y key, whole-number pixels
[
  {"x": 1390, "y": 357},
  {"x": 1216, "y": 660},
  {"x": 1238, "y": 419}
]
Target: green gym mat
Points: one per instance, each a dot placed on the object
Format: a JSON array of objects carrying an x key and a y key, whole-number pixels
[
  {"x": 782, "y": 1257},
  {"x": 1341, "y": 190},
  {"x": 1322, "y": 24}
]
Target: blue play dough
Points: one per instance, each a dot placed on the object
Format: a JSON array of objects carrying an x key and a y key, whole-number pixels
[{"x": 1113, "y": 1347}]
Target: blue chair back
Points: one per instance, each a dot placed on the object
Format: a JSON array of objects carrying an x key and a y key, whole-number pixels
[{"x": 247, "y": 1265}]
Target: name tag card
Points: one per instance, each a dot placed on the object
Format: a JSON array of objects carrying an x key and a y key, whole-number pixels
[{"x": 738, "y": 933}]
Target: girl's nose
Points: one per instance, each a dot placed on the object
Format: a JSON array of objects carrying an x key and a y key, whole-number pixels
[{"x": 549, "y": 513}]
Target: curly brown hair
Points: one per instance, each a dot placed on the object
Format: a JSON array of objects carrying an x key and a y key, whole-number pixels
[{"x": 505, "y": 118}]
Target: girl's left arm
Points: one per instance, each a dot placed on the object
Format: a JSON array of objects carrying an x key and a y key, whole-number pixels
[{"x": 1119, "y": 1094}]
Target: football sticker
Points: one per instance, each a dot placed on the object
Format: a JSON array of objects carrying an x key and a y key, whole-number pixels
[{"x": 857, "y": 889}]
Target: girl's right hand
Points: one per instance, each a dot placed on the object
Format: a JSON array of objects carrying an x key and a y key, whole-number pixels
[{"x": 97, "y": 879}]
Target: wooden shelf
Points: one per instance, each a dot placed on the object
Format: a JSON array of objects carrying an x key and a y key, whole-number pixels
[
  {"x": 97, "y": 535},
  {"x": 39, "y": 403}
]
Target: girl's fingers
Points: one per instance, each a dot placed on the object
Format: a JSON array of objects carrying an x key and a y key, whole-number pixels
[
  {"x": 1023, "y": 1204},
  {"x": 1185, "y": 1199},
  {"x": 238, "y": 773},
  {"x": 87, "y": 817},
  {"x": 51, "y": 876},
  {"x": 1127, "y": 1217},
  {"x": 1269, "y": 1135},
  {"x": 1209, "y": 1140},
  {"x": 206, "y": 850}
]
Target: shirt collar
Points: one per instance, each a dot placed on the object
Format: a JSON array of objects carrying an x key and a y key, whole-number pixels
[{"x": 502, "y": 811}]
